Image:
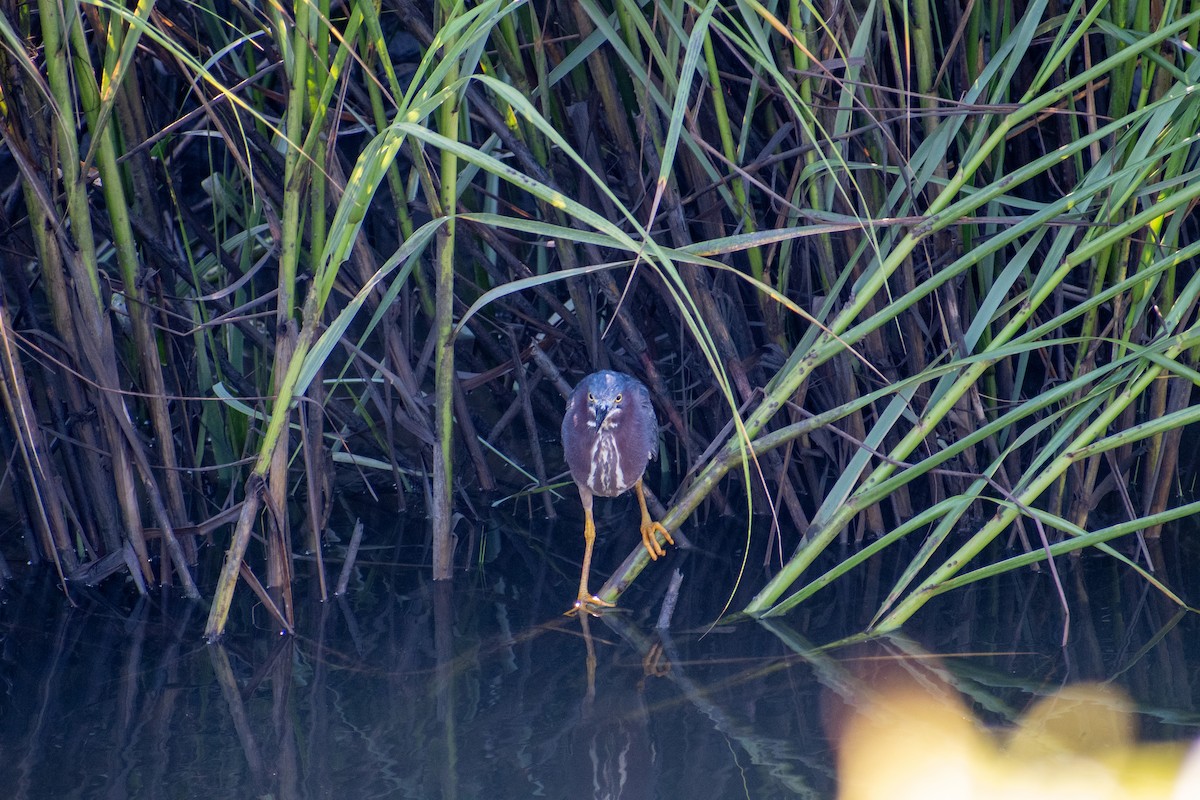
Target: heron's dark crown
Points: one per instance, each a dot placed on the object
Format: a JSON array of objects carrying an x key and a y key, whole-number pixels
[{"x": 606, "y": 386}]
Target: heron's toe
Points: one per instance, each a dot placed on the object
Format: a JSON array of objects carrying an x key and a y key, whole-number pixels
[{"x": 650, "y": 541}]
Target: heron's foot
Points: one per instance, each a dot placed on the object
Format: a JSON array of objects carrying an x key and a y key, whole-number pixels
[
  {"x": 589, "y": 604},
  {"x": 651, "y": 543}
]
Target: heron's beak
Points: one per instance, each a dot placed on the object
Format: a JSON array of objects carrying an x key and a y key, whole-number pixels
[{"x": 601, "y": 411}]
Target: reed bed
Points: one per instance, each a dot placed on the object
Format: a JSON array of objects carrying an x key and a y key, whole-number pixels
[{"x": 889, "y": 270}]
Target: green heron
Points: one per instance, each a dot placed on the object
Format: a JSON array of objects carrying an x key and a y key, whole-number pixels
[{"x": 609, "y": 434}]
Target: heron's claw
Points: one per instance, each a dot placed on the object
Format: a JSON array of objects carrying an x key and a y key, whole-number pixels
[
  {"x": 590, "y": 604},
  {"x": 651, "y": 543}
]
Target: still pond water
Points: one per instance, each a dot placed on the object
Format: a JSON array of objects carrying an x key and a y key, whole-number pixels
[{"x": 483, "y": 689}]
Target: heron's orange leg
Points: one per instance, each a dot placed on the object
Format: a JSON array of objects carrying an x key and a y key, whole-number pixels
[
  {"x": 649, "y": 527},
  {"x": 588, "y": 601}
]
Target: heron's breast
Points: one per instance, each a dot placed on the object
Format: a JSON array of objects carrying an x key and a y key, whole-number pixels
[{"x": 609, "y": 475}]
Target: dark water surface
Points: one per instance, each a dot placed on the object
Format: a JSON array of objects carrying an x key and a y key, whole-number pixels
[{"x": 482, "y": 689}]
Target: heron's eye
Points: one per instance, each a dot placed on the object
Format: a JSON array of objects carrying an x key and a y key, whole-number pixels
[
  {"x": 591, "y": 397},
  {"x": 617, "y": 399}
]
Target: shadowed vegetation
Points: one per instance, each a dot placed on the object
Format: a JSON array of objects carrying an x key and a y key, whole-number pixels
[{"x": 933, "y": 267}]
